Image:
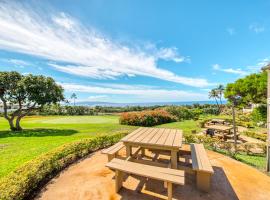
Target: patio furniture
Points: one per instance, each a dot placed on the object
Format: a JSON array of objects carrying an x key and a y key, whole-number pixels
[
  {"x": 155, "y": 138},
  {"x": 210, "y": 132},
  {"x": 169, "y": 176},
  {"x": 222, "y": 129},
  {"x": 112, "y": 151},
  {"x": 202, "y": 166},
  {"x": 218, "y": 121}
]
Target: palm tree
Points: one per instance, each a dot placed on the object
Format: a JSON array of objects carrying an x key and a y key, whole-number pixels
[
  {"x": 214, "y": 94},
  {"x": 220, "y": 89},
  {"x": 74, "y": 97}
]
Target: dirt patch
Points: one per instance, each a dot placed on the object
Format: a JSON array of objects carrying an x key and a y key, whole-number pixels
[{"x": 90, "y": 179}]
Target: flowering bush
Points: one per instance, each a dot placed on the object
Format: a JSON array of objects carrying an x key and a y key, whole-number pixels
[{"x": 146, "y": 118}]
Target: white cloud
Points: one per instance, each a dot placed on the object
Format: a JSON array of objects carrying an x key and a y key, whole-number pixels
[
  {"x": 238, "y": 71},
  {"x": 141, "y": 93},
  {"x": 97, "y": 98},
  {"x": 231, "y": 31},
  {"x": 256, "y": 28},
  {"x": 63, "y": 20},
  {"x": 170, "y": 54},
  {"x": 60, "y": 38},
  {"x": 16, "y": 62}
]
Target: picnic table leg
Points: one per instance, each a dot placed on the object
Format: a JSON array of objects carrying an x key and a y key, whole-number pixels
[
  {"x": 118, "y": 180},
  {"x": 129, "y": 150},
  {"x": 143, "y": 151},
  {"x": 169, "y": 191},
  {"x": 203, "y": 181},
  {"x": 174, "y": 159}
]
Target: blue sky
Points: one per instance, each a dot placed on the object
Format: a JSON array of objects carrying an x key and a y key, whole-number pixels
[{"x": 135, "y": 51}]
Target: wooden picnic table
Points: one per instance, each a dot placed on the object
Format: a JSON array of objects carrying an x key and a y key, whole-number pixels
[
  {"x": 155, "y": 138},
  {"x": 217, "y": 121},
  {"x": 221, "y": 128}
]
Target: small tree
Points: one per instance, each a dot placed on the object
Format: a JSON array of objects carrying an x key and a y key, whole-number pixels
[
  {"x": 213, "y": 94},
  {"x": 29, "y": 93},
  {"x": 74, "y": 97},
  {"x": 232, "y": 94},
  {"x": 220, "y": 90}
]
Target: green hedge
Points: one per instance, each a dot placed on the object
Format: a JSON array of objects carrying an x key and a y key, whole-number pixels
[
  {"x": 21, "y": 183},
  {"x": 259, "y": 136}
]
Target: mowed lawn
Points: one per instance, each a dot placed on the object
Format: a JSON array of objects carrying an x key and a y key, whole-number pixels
[{"x": 43, "y": 134}]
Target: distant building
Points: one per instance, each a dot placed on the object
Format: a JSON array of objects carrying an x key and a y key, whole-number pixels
[
  {"x": 11, "y": 107},
  {"x": 250, "y": 108}
]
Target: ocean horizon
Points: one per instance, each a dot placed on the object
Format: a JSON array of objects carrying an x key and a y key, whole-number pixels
[{"x": 146, "y": 104}]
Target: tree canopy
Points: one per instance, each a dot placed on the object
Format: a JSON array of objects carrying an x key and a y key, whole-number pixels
[
  {"x": 250, "y": 89},
  {"x": 28, "y": 93}
]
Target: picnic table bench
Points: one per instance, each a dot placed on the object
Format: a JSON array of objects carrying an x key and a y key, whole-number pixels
[
  {"x": 167, "y": 175},
  {"x": 202, "y": 166},
  {"x": 112, "y": 151}
]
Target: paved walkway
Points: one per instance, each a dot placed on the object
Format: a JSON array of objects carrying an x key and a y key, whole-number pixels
[{"x": 89, "y": 179}]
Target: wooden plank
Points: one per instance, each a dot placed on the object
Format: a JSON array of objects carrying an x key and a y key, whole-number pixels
[
  {"x": 157, "y": 135},
  {"x": 204, "y": 159},
  {"x": 131, "y": 134},
  {"x": 149, "y": 136},
  {"x": 178, "y": 139},
  {"x": 161, "y": 167},
  {"x": 163, "y": 137},
  {"x": 135, "y": 136},
  {"x": 195, "y": 164},
  {"x": 200, "y": 161},
  {"x": 147, "y": 171},
  {"x": 113, "y": 149},
  {"x": 170, "y": 139},
  {"x": 143, "y": 135}
]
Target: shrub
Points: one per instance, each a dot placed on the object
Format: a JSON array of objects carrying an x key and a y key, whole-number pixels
[
  {"x": 259, "y": 136},
  {"x": 184, "y": 113},
  {"x": 190, "y": 138},
  {"x": 248, "y": 146},
  {"x": 259, "y": 115},
  {"x": 203, "y": 122},
  {"x": 21, "y": 183},
  {"x": 262, "y": 146},
  {"x": 146, "y": 118},
  {"x": 211, "y": 111}
]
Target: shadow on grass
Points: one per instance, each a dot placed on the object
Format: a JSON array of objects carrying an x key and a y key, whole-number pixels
[{"x": 37, "y": 133}]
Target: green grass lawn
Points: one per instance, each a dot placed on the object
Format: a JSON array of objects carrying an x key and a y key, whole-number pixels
[
  {"x": 42, "y": 134},
  {"x": 187, "y": 126}
]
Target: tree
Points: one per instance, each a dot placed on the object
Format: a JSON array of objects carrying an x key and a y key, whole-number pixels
[
  {"x": 74, "y": 97},
  {"x": 29, "y": 93},
  {"x": 214, "y": 94},
  {"x": 251, "y": 89},
  {"x": 220, "y": 90}
]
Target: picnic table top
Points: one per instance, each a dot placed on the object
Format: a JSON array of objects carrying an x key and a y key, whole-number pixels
[
  {"x": 158, "y": 138},
  {"x": 217, "y": 120},
  {"x": 219, "y": 127}
]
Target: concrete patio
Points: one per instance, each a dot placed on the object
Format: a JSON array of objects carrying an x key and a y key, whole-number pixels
[{"x": 90, "y": 179}]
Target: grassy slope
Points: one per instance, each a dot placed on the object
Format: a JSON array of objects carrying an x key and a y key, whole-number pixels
[{"x": 41, "y": 136}]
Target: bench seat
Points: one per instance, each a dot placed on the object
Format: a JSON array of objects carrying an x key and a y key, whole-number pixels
[
  {"x": 167, "y": 175},
  {"x": 202, "y": 166},
  {"x": 113, "y": 150}
]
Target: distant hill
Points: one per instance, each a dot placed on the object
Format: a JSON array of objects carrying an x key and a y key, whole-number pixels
[{"x": 98, "y": 103}]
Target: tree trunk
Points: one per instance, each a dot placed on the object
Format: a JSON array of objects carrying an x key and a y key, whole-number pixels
[
  {"x": 18, "y": 126},
  {"x": 11, "y": 124},
  {"x": 234, "y": 128},
  {"x": 217, "y": 104}
]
